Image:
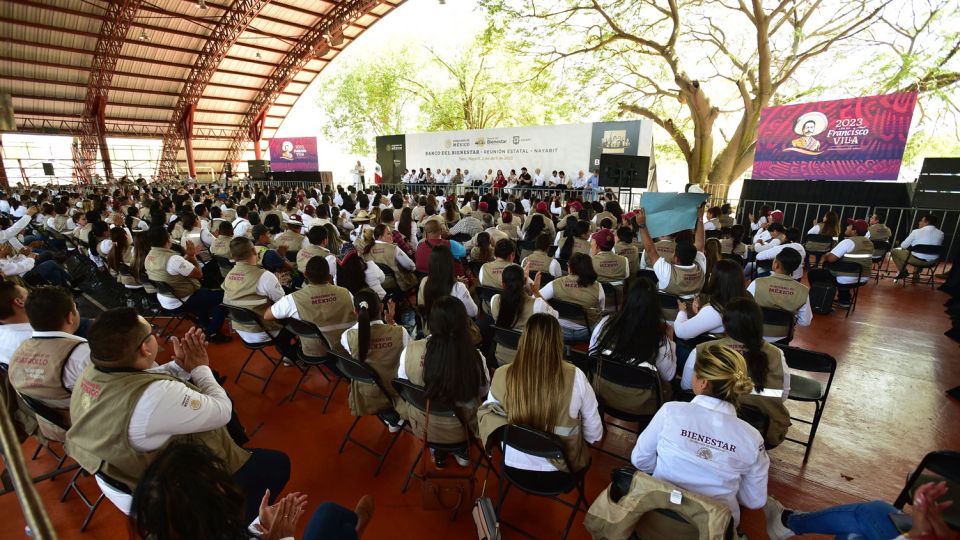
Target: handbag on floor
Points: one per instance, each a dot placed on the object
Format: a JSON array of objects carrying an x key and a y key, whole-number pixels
[
  {"x": 443, "y": 491},
  {"x": 821, "y": 298},
  {"x": 485, "y": 517}
]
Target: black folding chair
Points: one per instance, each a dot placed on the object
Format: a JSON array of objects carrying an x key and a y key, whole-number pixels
[
  {"x": 816, "y": 239},
  {"x": 305, "y": 362},
  {"x": 563, "y": 264},
  {"x": 545, "y": 277},
  {"x": 778, "y": 323},
  {"x": 646, "y": 273},
  {"x": 414, "y": 396},
  {"x": 927, "y": 266},
  {"x": 526, "y": 247},
  {"x": 755, "y": 417},
  {"x": 668, "y": 304},
  {"x": 390, "y": 276},
  {"x": 224, "y": 264},
  {"x": 245, "y": 316},
  {"x": 583, "y": 361},
  {"x": 940, "y": 465},
  {"x": 574, "y": 313},
  {"x": 848, "y": 267},
  {"x": 636, "y": 377},
  {"x": 486, "y": 295},
  {"x": 179, "y": 314},
  {"x": 612, "y": 290},
  {"x": 507, "y": 338},
  {"x": 549, "y": 484},
  {"x": 880, "y": 250},
  {"x": 460, "y": 237},
  {"x": 809, "y": 390},
  {"x": 734, "y": 257},
  {"x": 362, "y": 373}
]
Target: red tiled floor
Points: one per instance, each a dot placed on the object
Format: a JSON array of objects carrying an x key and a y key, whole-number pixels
[{"x": 886, "y": 410}]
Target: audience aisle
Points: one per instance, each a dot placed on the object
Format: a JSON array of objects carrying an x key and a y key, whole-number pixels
[{"x": 886, "y": 410}]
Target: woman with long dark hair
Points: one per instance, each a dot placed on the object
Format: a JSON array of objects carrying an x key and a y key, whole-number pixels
[
  {"x": 540, "y": 260},
  {"x": 407, "y": 226},
  {"x": 541, "y": 391},
  {"x": 356, "y": 274},
  {"x": 451, "y": 370},
  {"x": 725, "y": 285},
  {"x": 515, "y": 304},
  {"x": 483, "y": 251},
  {"x": 579, "y": 286},
  {"x": 535, "y": 225},
  {"x": 766, "y": 365},
  {"x": 442, "y": 281},
  {"x": 378, "y": 344},
  {"x": 575, "y": 240}
]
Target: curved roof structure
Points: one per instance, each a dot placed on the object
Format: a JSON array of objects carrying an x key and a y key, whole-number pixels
[{"x": 217, "y": 71}]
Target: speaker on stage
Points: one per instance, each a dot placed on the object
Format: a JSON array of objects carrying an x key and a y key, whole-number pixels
[
  {"x": 258, "y": 168},
  {"x": 228, "y": 169},
  {"x": 620, "y": 171},
  {"x": 48, "y": 169}
]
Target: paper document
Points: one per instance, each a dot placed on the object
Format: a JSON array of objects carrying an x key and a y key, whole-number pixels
[{"x": 668, "y": 213}]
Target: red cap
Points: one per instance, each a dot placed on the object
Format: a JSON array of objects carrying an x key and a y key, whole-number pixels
[
  {"x": 483, "y": 206},
  {"x": 576, "y": 206},
  {"x": 629, "y": 215},
  {"x": 604, "y": 238},
  {"x": 542, "y": 207},
  {"x": 859, "y": 225},
  {"x": 776, "y": 216},
  {"x": 309, "y": 209}
]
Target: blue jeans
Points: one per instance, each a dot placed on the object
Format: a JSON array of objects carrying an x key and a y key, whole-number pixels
[
  {"x": 51, "y": 272},
  {"x": 575, "y": 336},
  {"x": 861, "y": 521},
  {"x": 331, "y": 522},
  {"x": 266, "y": 469},
  {"x": 205, "y": 304}
]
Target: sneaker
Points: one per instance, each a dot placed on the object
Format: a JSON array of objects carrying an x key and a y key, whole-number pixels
[
  {"x": 463, "y": 459},
  {"x": 773, "y": 511},
  {"x": 218, "y": 338},
  {"x": 843, "y": 304},
  {"x": 393, "y": 426},
  {"x": 287, "y": 362}
]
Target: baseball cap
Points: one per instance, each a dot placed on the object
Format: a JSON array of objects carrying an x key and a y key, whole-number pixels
[
  {"x": 776, "y": 215},
  {"x": 576, "y": 206},
  {"x": 309, "y": 209},
  {"x": 859, "y": 225},
  {"x": 604, "y": 238},
  {"x": 629, "y": 215},
  {"x": 483, "y": 206},
  {"x": 542, "y": 207}
]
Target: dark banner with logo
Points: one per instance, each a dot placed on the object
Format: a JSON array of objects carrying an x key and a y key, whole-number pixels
[{"x": 392, "y": 157}]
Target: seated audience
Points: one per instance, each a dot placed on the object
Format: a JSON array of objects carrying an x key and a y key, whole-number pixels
[
  {"x": 855, "y": 248},
  {"x": 780, "y": 290},
  {"x": 505, "y": 252},
  {"x": 513, "y": 306},
  {"x": 356, "y": 274},
  {"x": 726, "y": 285},
  {"x": 384, "y": 252},
  {"x": 540, "y": 260},
  {"x": 627, "y": 247},
  {"x": 792, "y": 241},
  {"x": 926, "y": 233},
  {"x": 608, "y": 265},
  {"x": 579, "y": 286}
]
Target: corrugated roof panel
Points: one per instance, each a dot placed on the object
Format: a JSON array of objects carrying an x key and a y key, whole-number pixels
[
  {"x": 218, "y": 92},
  {"x": 144, "y": 69},
  {"x": 146, "y": 83},
  {"x": 222, "y": 105}
]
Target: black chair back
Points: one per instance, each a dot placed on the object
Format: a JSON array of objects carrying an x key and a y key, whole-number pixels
[
  {"x": 754, "y": 416},
  {"x": 712, "y": 234},
  {"x": 242, "y": 315},
  {"x": 648, "y": 274},
  {"x": 460, "y": 237},
  {"x": 778, "y": 323},
  {"x": 43, "y": 411},
  {"x": 926, "y": 249},
  {"x": 733, "y": 257},
  {"x": 812, "y": 361},
  {"x": 533, "y": 442},
  {"x": 552, "y": 251},
  {"x": 628, "y": 375},
  {"x": 846, "y": 267},
  {"x": 880, "y": 248},
  {"x": 818, "y": 239},
  {"x": 569, "y": 311},
  {"x": 475, "y": 267},
  {"x": 583, "y": 361},
  {"x": 415, "y": 395},
  {"x": 506, "y": 337},
  {"x": 563, "y": 264},
  {"x": 486, "y": 293},
  {"x": 545, "y": 277},
  {"x": 164, "y": 289},
  {"x": 526, "y": 245},
  {"x": 355, "y": 370},
  {"x": 306, "y": 329}
]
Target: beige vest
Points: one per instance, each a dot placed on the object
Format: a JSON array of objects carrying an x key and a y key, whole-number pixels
[
  {"x": 632, "y": 254},
  {"x": 492, "y": 273},
  {"x": 879, "y": 232},
  {"x": 710, "y": 518},
  {"x": 665, "y": 249},
  {"x": 862, "y": 246},
  {"x": 725, "y": 221},
  {"x": 221, "y": 246},
  {"x": 772, "y": 406},
  {"x": 609, "y": 266},
  {"x": 580, "y": 246},
  {"x": 156, "y": 266},
  {"x": 293, "y": 240},
  {"x": 505, "y": 355},
  {"x": 566, "y": 288},
  {"x": 101, "y": 408},
  {"x": 85, "y": 232},
  {"x": 327, "y": 306},
  {"x": 539, "y": 261},
  {"x": 685, "y": 281},
  {"x": 240, "y": 289},
  {"x": 36, "y": 370},
  {"x": 445, "y": 429},
  {"x": 386, "y": 344},
  {"x": 780, "y": 292},
  {"x": 510, "y": 229},
  {"x": 60, "y": 222},
  {"x": 309, "y": 252},
  {"x": 386, "y": 254},
  {"x": 493, "y": 415}
]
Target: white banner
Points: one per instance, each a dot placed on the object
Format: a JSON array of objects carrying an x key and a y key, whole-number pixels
[{"x": 567, "y": 147}]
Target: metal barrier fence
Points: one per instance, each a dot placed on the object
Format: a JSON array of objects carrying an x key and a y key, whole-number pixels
[{"x": 901, "y": 220}]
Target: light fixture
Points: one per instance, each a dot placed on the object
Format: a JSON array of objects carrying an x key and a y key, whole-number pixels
[
  {"x": 202, "y": 4},
  {"x": 143, "y": 35},
  {"x": 259, "y": 56}
]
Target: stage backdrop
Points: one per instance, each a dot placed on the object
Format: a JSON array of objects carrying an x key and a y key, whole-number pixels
[
  {"x": 847, "y": 139},
  {"x": 293, "y": 154},
  {"x": 566, "y": 147}
]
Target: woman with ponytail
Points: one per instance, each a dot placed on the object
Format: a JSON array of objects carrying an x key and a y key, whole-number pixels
[
  {"x": 515, "y": 304},
  {"x": 356, "y": 274},
  {"x": 702, "y": 446},
  {"x": 377, "y": 343},
  {"x": 766, "y": 365}
]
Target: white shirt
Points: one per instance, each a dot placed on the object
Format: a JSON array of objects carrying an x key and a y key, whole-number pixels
[
  {"x": 771, "y": 254},
  {"x": 707, "y": 321},
  {"x": 240, "y": 226},
  {"x": 665, "y": 363},
  {"x": 927, "y": 235},
  {"x": 346, "y": 345},
  {"x": 846, "y": 246},
  {"x": 13, "y": 230},
  {"x": 176, "y": 265},
  {"x": 268, "y": 286},
  {"x": 583, "y": 404},
  {"x": 547, "y": 293},
  {"x": 78, "y": 360},
  {"x": 554, "y": 267},
  {"x": 538, "y": 180},
  {"x": 768, "y": 244},
  {"x": 374, "y": 278},
  {"x": 580, "y": 182},
  {"x": 686, "y": 381},
  {"x": 17, "y": 265},
  {"x": 11, "y": 336},
  {"x": 702, "y": 446},
  {"x": 664, "y": 269},
  {"x": 804, "y": 315},
  {"x": 169, "y": 408}
]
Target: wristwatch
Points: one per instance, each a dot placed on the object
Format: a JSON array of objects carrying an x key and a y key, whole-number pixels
[{"x": 641, "y": 225}]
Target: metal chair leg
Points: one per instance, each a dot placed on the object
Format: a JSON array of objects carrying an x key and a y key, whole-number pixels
[
  {"x": 410, "y": 474},
  {"x": 330, "y": 396},
  {"x": 347, "y": 436},
  {"x": 93, "y": 510},
  {"x": 276, "y": 365},
  {"x": 383, "y": 457},
  {"x": 243, "y": 367}
]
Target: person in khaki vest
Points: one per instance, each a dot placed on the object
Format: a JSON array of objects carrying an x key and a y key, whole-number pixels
[
  {"x": 608, "y": 265},
  {"x": 766, "y": 366},
  {"x": 540, "y": 390},
  {"x": 540, "y": 260},
  {"x": 319, "y": 301},
  {"x": 384, "y": 252},
  {"x": 317, "y": 244},
  {"x": 780, "y": 291},
  {"x": 253, "y": 287},
  {"x": 626, "y": 246},
  {"x": 684, "y": 275},
  {"x": 855, "y": 248},
  {"x": 877, "y": 230},
  {"x": 518, "y": 301},
  {"x": 181, "y": 274},
  {"x": 505, "y": 252},
  {"x": 274, "y": 260},
  {"x": 702, "y": 446},
  {"x": 452, "y": 371},
  {"x": 126, "y": 409},
  {"x": 638, "y": 336},
  {"x": 221, "y": 242},
  {"x": 581, "y": 287},
  {"x": 379, "y": 345},
  {"x": 46, "y": 366}
]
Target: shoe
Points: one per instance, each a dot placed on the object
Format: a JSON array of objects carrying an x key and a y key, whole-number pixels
[
  {"x": 393, "y": 427},
  {"x": 844, "y": 305},
  {"x": 218, "y": 338},
  {"x": 287, "y": 362},
  {"x": 440, "y": 460},
  {"x": 773, "y": 511},
  {"x": 463, "y": 459},
  {"x": 364, "y": 511},
  {"x": 901, "y": 275}
]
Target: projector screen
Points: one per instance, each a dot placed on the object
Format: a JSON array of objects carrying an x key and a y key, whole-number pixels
[
  {"x": 848, "y": 139},
  {"x": 293, "y": 154}
]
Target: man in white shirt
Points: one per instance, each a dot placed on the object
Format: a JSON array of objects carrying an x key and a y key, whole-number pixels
[
  {"x": 580, "y": 181},
  {"x": 926, "y": 233},
  {"x": 780, "y": 293},
  {"x": 14, "y": 324},
  {"x": 688, "y": 261},
  {"x": 241, "y": 225},
  {"x": 855, "y": 247},
  {"x": 538, "y": 180},
  {"x": 13, "y": 230},
  {"x": 125, "y": 396},
  {"x": 790, "y": 240}
]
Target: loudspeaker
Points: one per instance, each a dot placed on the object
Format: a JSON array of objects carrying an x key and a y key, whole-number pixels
[
  {"x": 228, "y": 169},
  {"x": 620, "y": 171},
  {"x": 48, "y": 169},
  {"x": 258, "y": 168}
]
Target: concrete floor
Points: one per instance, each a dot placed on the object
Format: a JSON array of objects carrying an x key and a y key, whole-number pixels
[{"x": 886, "y": 410}]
